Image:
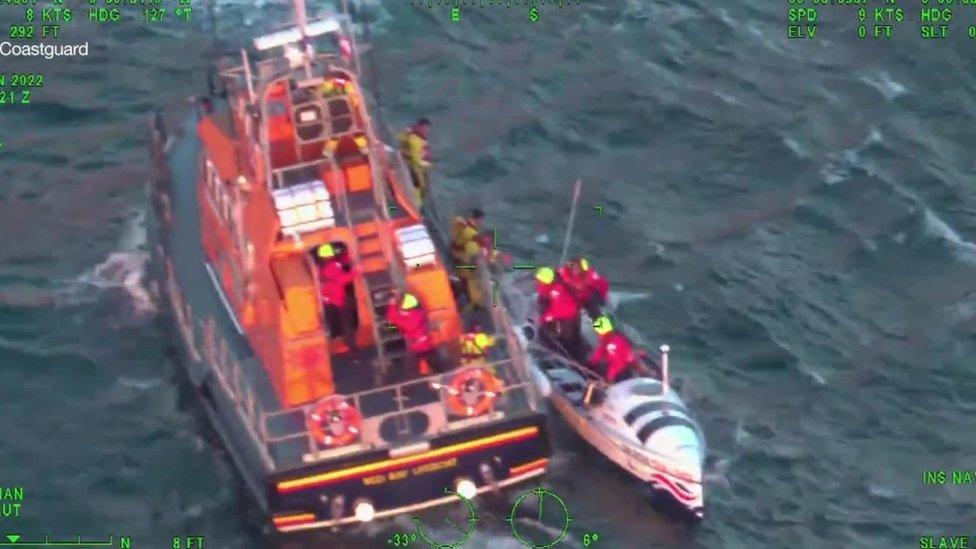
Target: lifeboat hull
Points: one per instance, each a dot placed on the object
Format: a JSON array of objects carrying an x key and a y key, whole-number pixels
[{"x": 324, "y": 492}]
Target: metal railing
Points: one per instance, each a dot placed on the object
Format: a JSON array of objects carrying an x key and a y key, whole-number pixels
[
  {"x": 516, "y": 397},
  {"x": 228, "y": 372},
  {"x": 511, "y": 370},
  {"x": 503, "y": 325}
]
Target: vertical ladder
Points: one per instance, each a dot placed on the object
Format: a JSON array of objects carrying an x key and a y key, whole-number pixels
[{"x": 372, "y": 255}]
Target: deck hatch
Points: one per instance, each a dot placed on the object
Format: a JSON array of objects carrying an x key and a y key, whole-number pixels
[
  {"x": 304, "y": 207},
  {"x": 416, "y": 246}
]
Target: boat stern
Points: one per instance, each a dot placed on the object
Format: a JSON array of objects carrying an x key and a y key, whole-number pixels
[{"x": 412, "y": 477}]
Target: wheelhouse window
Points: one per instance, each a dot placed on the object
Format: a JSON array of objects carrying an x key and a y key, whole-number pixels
[
  {"x": 220, "y": 198},
  {"x": 223, "y": 202}
]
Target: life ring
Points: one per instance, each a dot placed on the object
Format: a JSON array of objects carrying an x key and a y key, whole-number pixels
[
  {"x": 472, "y": 392},
  {"x": 334, "y": 422}
]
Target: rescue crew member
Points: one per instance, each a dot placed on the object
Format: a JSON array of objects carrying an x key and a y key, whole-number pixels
[
  {"x": 335, "y": 281},
  {"x": 587, "y": 285},
  {"x": 614, "y": 348},
  {"x": 335, "y": 86},
  {"x": 560, "y": 312},
  {"x": 416, "y": 153},
  {"x": 465, "y": 248},
  {"x": 544, "y": 277},
  {"x": 342, "y": 255},
  {"x": 408, "y": 316},
  {"x": 475, "y": 344}
]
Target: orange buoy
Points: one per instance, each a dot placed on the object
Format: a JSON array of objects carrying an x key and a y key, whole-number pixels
[
  {"x": 334, "y": 422},
  {"x": 472, "y": 392}
]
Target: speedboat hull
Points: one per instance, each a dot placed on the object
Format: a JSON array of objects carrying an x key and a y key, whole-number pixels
[{"x": 652, "y": 436}]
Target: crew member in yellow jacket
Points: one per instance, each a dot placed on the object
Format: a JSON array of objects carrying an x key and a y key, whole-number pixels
[
  {"x": 465, "y": 249},
  {"x": 416, "y": 153}
]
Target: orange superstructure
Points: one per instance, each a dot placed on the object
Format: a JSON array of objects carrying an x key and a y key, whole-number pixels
[
  {"x": 280, "y": 253},
  {"x": 326, "y": 181}
]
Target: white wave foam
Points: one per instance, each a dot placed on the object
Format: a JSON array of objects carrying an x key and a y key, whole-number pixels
[
  {"x": 835, "y": 171},
  {"x": 126, "y": 267},
  {"x": 726, "y": 98},
  {"x": 718, "y": 473},
  {"x": 964, "y": 310},
  {"x": 874, "y": 136},
  {"x": 542, "y": 239},
  {"x": 617, "y": 299},
  {"x": 723, "y": 15},
  {"x": 813, "y": 374},
  {"x": 125, "y": 270},
  {"x": 937, "y": 228},
  {"x": 840, "y": 164},
  {"x": 882, "y": 491},
  {"x": 141, "y": 384},
  {"x": 741, "y": 436},
  {"x": 763, "y": 37},
  {"x": 884, "y": 84},
  {"x": 795, "y": 147}
]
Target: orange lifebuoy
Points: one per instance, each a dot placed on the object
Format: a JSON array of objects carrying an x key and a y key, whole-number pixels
[
  {"x": 334, "y": 422},
  {"x": 472, "y": 392}
]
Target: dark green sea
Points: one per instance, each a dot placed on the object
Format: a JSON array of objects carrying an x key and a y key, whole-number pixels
[{"x": 796, "y": 218}]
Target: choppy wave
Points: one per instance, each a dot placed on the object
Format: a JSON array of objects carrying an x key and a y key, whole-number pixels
[
  {"x": 939, "y": 228},
  {"x": 125, "y": 268},
  {"x": 883, "y": 82}
]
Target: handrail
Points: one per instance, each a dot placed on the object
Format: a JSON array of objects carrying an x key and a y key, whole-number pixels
[
  {"x": 502, "y": 324},
  {"x": 396, "y": 269},
  {"x": 242, "y": 395},
  {"x": 357, "y": 260},
  {"x": 302, "y": 411}
]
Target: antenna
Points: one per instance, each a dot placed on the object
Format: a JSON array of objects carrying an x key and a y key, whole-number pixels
[
  {"x": 301, "y": 19},
  {"x": 664, "y": 376}
]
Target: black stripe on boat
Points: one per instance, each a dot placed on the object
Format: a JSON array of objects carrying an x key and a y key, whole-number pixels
[
  {"x": 661, "y": 422},
  {"x": 642, "y": 410}
]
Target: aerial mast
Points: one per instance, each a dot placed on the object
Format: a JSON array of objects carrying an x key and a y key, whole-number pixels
[{"x": 301, "y": 19}]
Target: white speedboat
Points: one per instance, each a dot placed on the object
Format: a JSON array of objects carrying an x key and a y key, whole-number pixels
[{"x": 641, "y": 423}]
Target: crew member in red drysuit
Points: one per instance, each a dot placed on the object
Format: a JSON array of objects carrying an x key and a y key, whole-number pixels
[
  {"x": 335, "y": 281},
  {"x": 614, "y": 348},
  {"x": 560, "y": 312},
  {"x": 408, "y": 316},
  {"x": 587, "y": 285},
  {"x": 544, "y": 277}
]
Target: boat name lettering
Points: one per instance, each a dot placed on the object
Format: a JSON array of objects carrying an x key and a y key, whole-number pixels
[
  {"x": 394, "y": 476},
  {"x": 435, "y": 466}
]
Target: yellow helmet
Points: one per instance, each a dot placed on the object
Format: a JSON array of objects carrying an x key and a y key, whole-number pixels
[
  {"x": 584, "y": 264},
  {"x": 325, "y": 251},
  {"x": 408, "y": 302},
  {"x": 545, "y": 275},
  {"x": 483, "y": 340},
  {"x": 602, "y": 325}
]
